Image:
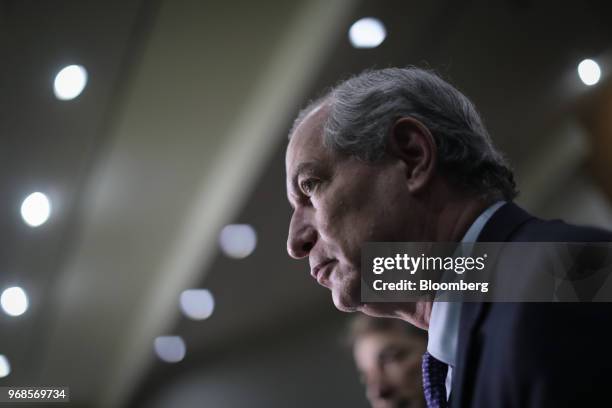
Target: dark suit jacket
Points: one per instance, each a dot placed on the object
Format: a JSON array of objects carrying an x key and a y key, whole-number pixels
[{"x": 527, "y": 355}]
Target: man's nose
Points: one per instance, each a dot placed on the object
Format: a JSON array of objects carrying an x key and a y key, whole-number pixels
[
  {"x": 385, "y": 391},
  {"x": 381, "y": 389},
  {"x": 302, "y": 237}
]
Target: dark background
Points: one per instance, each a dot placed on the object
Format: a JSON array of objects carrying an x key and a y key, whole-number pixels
[{"x": 181, "y": 130}]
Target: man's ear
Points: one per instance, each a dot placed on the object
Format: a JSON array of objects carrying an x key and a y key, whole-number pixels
[{"x": 411, "y": 142}]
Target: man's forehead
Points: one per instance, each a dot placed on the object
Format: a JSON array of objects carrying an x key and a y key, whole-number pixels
[
  {"x": 317, "y": 113},
  {"x": 392, "y": 337},
  {"x": 307, "y": 137}
]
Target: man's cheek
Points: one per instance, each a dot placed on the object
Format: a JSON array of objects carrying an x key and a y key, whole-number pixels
[
  {"x": 343, "y": 275},
  {"x": 413, "y": 370},
  {"x": 333, "y": 228},
  {"x": 333, "y": 213}
]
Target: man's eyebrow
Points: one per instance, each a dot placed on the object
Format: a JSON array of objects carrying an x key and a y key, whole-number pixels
[
  {"x": 304, "y": 167},
  {"x": 388, "y": 348}
]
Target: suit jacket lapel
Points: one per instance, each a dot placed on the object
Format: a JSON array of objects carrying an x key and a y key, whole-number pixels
[{"x": 506, "y": 220}]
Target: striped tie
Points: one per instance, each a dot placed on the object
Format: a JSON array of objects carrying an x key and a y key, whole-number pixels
[{"x": 434, "y": 379}]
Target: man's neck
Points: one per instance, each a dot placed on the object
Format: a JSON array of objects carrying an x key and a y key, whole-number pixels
[
  {"x": 418, "y": 315},
  {"x": 451, "y": 222},
  {"x": 456, "y": 218}
]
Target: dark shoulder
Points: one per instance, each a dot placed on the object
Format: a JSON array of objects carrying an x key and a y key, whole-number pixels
[
  {"x": 538, "y": 230},
  {"x": 512, "y": 223}
]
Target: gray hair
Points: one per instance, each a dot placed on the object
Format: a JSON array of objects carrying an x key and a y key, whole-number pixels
[
  {"x": 362, "y": 325},
  {"x": 364, "y": 108}
]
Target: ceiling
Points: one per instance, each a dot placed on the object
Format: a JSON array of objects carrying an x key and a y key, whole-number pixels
[{"x": 181, "y": 130}]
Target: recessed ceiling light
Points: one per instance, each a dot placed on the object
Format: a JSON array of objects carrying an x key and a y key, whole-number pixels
[
  {"x": 589, "y": 72},
  {"x": 197, "y": 304},
  {"x": 70, "y": 82},
  {"x": 170, "y": 349},
  {"x": 368, "y": 32},
  {"x": 14, "y": 301},
  {"x": 238, "y": 240},
  {"x": 5, "y": 367},
  {"x": 35, "y": 209}
]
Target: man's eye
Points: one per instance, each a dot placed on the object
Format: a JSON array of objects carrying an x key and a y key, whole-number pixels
[
  {"x": 393, "y": 356},
  {"x": 308, "y": 186}
]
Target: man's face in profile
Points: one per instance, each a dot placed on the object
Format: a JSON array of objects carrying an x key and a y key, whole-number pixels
[
  {"x": 390, "y": 366},
  {"x": 339, "y": 203}
]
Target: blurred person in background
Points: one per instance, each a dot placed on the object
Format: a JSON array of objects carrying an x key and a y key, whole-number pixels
[
  {"x": 400, "y": 155},
  {"x": 387, "y": 354}
]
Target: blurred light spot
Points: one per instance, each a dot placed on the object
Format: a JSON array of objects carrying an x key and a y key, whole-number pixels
[
  {"x": 70, "y": 82},
  {"x": 170, "y": 349},
  {"x": 368, "y": 32},
  {"x": 238, "y": 240},
  {"x": 197, "y": 304},
  {"x": 5, "y": 367},
  {"x": 14, "y": 301},
  {"x": 35, "y": 209},
  {"x": 589, "y": 72}
]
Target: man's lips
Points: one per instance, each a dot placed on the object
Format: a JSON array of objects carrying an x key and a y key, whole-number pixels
[{"x": 322, "y": 271}]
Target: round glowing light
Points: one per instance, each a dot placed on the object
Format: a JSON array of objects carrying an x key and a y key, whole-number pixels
[
  {"x": 197, "y": 304},
  {"x": 70, "y": 82},
  {"x": 35, "y": 209},
  {"x": 238, "y": 240},
  {"x": 368, "y": 32},
  {"x": 14, "y": 301},
  {"x": 5, "y": 366},
  {"x": 589, "y": 72},
  {"x": 170, "y": 349}
]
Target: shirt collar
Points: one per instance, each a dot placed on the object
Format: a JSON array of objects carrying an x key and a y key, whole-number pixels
[
  {"x": 444, "y": 319},
  {"x": 476, "y": 228}
]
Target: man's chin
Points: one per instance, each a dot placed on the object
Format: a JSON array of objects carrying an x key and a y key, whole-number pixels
[{"x": 345, "y": 303}]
